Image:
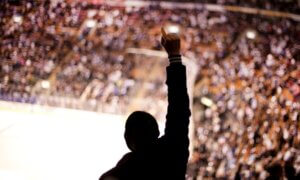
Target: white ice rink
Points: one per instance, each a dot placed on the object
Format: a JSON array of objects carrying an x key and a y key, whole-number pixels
[{"x": 57, "y": 144}]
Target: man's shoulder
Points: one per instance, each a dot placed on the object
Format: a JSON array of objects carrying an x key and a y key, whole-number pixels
[
  {"x": 125, "y": 159},
  {"x": 109, "y": 178},
  {"x": 116, "y": 172}
]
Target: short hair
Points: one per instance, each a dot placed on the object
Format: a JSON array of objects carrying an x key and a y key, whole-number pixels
[{"x": 141, "y": 129}]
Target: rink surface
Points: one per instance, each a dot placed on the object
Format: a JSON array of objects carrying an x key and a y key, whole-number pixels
[{"x": 57, "y": 144}]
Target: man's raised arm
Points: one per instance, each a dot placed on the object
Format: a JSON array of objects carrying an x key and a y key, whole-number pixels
[{"x": 176, "y": 131}]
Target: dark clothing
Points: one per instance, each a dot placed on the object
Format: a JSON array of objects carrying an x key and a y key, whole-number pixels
[{"x": 167, "y": 158}]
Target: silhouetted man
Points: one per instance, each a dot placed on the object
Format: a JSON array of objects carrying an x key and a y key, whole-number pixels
[{"x": 151, "y": 157}]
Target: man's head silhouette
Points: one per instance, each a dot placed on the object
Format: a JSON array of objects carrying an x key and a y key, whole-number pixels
[{"x": 141, "y": 130}]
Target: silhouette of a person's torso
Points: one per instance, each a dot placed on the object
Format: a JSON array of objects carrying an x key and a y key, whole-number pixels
[{"x": 167, "y": 157}]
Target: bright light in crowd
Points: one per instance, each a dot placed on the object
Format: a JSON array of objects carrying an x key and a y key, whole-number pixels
[
  {"x": 90, "y": 23},
  {"x": 45, "y": 84},
  {"x": 173, "y": 29},
  {"x": 206, "y": 101},
  {"x": 17, "y": 19},
  {"x": 91, "y": 13},
  {"x": 251, "y": 34}
]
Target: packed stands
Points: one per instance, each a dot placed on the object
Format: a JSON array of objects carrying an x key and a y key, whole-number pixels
[{"x": 246, "y": 97}]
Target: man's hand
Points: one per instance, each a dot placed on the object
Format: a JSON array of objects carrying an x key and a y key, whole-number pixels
[{"x": 171, "y": 43}]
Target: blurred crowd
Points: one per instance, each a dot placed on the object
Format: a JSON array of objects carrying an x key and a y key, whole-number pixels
[
  {"x": 246, "y": 96},
  {"x": 33, "y": 41},
  {"x": 248, "y": 124},
  {"x": 52, "y": 50}
]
